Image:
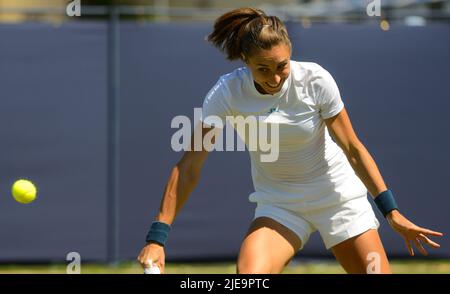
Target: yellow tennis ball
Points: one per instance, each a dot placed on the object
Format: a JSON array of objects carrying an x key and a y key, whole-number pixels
[{"x": 24, "y": 191}]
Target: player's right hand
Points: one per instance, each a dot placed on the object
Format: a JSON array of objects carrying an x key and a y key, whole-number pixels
[{"x": 153, "y": 252}]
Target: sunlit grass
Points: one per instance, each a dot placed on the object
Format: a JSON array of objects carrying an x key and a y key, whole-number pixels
[{"x": 295, "y": 267}]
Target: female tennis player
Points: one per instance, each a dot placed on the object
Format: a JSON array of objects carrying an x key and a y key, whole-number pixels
[{"x": 316, "y": 183}]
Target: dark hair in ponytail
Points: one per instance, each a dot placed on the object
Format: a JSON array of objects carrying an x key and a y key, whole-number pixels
[{"x": 243, "y": 30}]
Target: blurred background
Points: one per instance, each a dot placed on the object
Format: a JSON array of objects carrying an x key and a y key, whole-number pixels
[{"x": 87, "y": 103}]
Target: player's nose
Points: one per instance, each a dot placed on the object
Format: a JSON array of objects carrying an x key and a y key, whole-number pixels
[{"x": 275, "y": 80}]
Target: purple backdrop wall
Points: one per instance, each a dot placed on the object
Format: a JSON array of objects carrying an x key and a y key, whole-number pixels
[{"x": 53, "y": 131}]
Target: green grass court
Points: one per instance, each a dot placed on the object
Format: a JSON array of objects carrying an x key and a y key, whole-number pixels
[{"x": 302, "y": 267}]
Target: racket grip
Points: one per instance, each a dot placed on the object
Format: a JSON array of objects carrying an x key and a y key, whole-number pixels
[{"x": 153, "y": 269}]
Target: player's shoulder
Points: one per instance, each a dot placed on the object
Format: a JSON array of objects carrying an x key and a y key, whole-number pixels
[
  {"x": 225, "y": 84},
  {"x": 310, "y": 73},
  {"x": 236, "y": 76},
  {"x": 302, "y": 68},
  {"x": 230, "y": 82}
]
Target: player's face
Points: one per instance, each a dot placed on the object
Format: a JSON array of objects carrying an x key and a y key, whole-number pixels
[{"x": 270, "y": 68}]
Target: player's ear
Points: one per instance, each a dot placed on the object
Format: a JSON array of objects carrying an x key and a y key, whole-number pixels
[{"x": 243, "y": 58}]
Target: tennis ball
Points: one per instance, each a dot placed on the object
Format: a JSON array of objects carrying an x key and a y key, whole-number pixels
[{"x": 24, "y": 191}]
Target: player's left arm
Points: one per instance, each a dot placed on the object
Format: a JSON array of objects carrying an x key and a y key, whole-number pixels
[{"x": 365, "y": 167}]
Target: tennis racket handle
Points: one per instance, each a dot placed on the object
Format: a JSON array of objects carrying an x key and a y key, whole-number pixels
[{"x": 154, "y": 270}]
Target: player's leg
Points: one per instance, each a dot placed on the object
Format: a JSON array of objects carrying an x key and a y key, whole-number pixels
[
  {"x": 349, "y": 229},
  {"x": 267, "y": 248},
  {"x": 362, "y": 254}
]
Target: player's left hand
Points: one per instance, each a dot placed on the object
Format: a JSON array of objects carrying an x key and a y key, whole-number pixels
[{"x": 412, "y": 233}]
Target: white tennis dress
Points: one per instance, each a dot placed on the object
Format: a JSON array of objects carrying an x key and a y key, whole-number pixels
[{"x": 311, "y": 186}]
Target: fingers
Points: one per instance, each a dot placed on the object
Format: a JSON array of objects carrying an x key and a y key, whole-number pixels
[
  {"x": 410, "y": 248},
  {"x": 148, "y": 263},
  {"x": 420, "y": 247},
  {"x": 145, "y": 260},
  {"x": 148, "y": 259},
  {"x": 430, "y": 232},
  {"x": 418, "y": 243},
  {"x": 429, "y": 242}
]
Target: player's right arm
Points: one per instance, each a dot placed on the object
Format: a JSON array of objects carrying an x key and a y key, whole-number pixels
[{"x": 182, "y": 181}]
